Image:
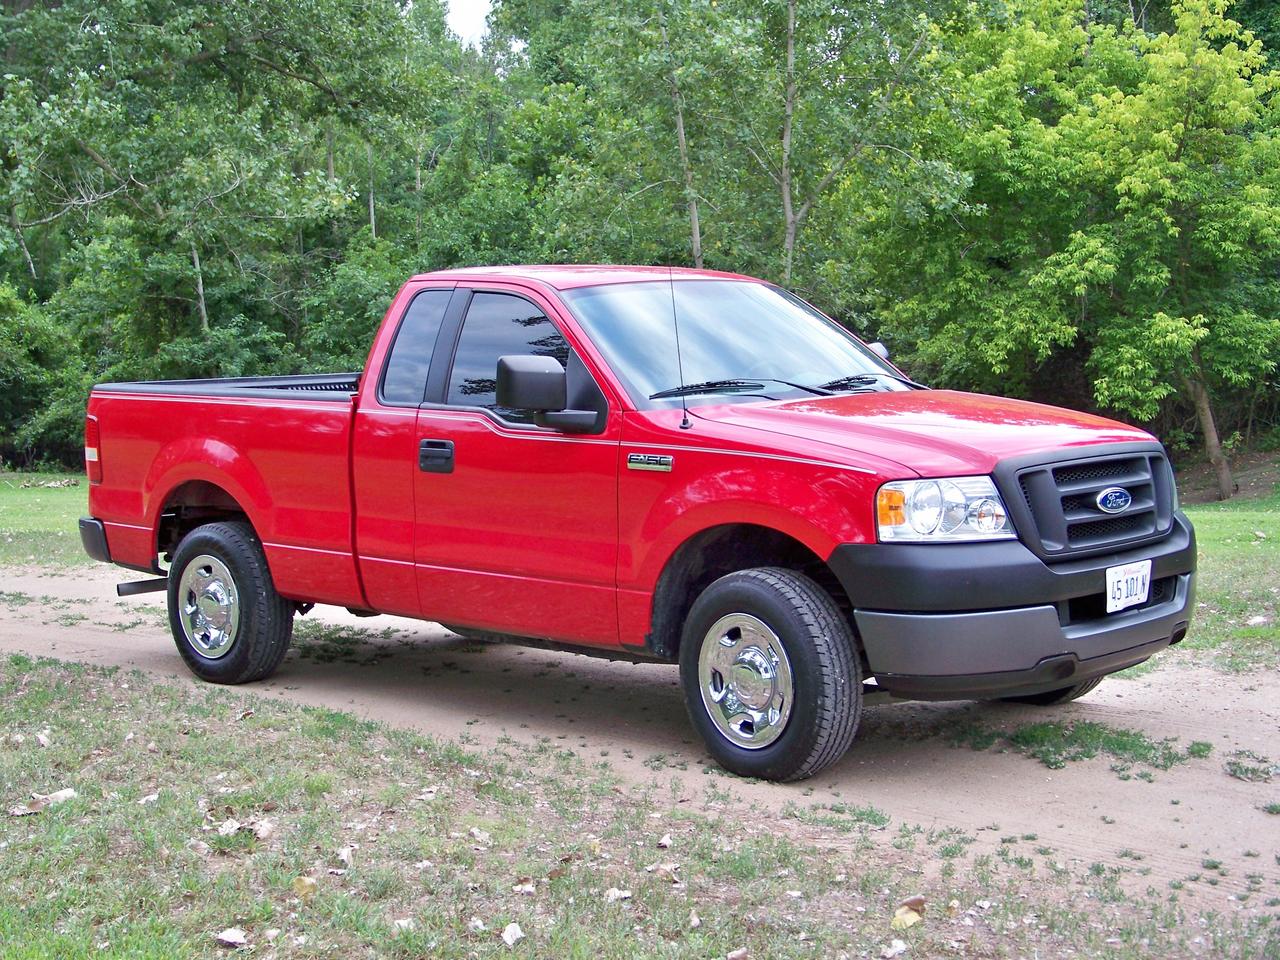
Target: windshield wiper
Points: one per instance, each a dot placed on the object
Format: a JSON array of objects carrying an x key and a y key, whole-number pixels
[
  {"x": 707, "y": 386},
  {"x": 866, "y": 379},
  {"x": 711, "y": 386}
]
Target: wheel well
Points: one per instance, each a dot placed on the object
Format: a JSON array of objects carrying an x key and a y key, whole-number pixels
[
  {"x": 715, "y": 552},
  {"x": 188, "y": 506}
]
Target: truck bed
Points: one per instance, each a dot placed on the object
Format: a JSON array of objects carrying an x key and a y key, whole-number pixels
[
  {"x": 306, "y": 386},
  {"x": 280, "y": 446}
]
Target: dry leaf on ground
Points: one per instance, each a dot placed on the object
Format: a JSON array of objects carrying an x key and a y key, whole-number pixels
[
  {"x": 305, "y": 888},
  {"x": 512, "y": 934},
  {"x": 916, "y": 902},
  {"x": 58, "y": 796},
  {"x": 904, "y": 917},
  {"x": 232, "y": 937}
]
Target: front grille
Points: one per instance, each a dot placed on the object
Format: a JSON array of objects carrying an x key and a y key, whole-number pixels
[
  {"x": 1113, "y": 528},
  {"x": 1062, "y": 517}
]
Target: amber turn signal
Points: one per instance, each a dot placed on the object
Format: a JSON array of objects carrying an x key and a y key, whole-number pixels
[{"x": 889, "y": 510}]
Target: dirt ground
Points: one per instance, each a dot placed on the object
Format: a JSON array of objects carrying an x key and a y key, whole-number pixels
[
  {"x": 1256, "y": 474},
  {"x": 418, "y": 675}
]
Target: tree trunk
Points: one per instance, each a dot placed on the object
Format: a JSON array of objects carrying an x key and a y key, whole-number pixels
[
  {"x": 1212, "y": 445},
  {"x": 677, "y": 102},
  {"x": 16, "y": 225},
  {"x": 417, "y": 197},
  {"x": 200, "y": 305},
  {"x": 328, "y": 154},
  {"x": 373, "y": 222},
  {"x": 784, "y": 174}
]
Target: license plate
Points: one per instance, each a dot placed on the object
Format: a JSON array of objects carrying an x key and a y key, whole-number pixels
[{"x": 1128, "y": 585}]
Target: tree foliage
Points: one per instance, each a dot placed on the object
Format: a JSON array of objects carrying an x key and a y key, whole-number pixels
[{"x": 1060, "y": 199}]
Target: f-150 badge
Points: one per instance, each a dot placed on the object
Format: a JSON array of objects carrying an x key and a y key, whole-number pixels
[{"x": 649, "y": 461}]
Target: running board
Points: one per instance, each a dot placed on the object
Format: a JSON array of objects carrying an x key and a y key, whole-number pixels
[{"x": 141, "y": 586}]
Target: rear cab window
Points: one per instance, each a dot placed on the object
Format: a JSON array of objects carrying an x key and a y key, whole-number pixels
[{"x": 404, "y": 378}]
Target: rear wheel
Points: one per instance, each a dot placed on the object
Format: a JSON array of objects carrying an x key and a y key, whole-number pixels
[
  {"x": 1052, "y": 698},
  {"x": 229, "y": 623},
  {"x": 771, "y": 675}
]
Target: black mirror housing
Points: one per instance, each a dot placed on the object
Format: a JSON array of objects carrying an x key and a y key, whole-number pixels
[{"x": 531, "y": 383}]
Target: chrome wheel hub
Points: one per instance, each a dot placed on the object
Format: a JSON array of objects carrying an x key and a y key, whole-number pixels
[
  {"x": 209, "y": 606},
  {"x": 745, "y": 679}
]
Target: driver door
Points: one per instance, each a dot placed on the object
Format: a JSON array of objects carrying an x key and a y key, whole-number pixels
[{"x": 516, "y": 525}]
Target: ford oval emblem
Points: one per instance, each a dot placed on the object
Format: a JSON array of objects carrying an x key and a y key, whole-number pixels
[{"x": 1114, "y": 500}]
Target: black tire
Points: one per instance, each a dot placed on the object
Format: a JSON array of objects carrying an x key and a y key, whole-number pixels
[
  {"x": 260, "y": 637},
  {"x": 1051, "y": 698},
  {"x": 824, "y": 665}
]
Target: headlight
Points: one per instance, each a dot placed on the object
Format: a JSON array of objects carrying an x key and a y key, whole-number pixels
[{"x": 945, "y": 510}]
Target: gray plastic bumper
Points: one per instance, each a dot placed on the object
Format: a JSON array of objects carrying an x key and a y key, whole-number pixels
[{"x": 921, "y": 619}]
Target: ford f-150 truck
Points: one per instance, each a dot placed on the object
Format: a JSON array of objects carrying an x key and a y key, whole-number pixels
[{"x": 683, "y": 466}]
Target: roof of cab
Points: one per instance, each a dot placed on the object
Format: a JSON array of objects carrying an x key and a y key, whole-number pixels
[{"x": 568, "y": 276}]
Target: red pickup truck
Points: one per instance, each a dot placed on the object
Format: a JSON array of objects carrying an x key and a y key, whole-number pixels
[{"x": 683, "y": 466}]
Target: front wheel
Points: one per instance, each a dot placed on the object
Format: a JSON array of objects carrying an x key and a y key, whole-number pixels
[
  {"x": 1051, "y": 698},
  {"x": 229, "y": 623},
  {"x": 771, "y": 674}
]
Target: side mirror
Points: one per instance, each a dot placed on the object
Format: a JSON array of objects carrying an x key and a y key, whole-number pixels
[
  {"x": 539, "y": 384},
  {"x": 531, "y": 383},
  {"x": 879, "y": 349}
]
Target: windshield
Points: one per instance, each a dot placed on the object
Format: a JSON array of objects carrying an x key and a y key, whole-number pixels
[{"x": 768, "y": 343}]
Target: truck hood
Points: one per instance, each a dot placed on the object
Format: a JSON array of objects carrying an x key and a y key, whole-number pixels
[{"x": 930, "y": 432}]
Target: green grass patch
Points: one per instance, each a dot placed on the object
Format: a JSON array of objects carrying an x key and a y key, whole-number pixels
[
  {"x": 38, "y": 519},
  {"x": 1236, "y": 620},
  {"x": 1250, "y": 767},
  {"x": 1055, "y": 744}
]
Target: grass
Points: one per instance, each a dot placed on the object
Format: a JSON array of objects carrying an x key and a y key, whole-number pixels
[
  {"x": 1055, "y": 744},
  {"x": 38, "y": 523},
  {"x": 1237, "y": 582},
  {"x": 1250, "y": 767},
  {"x": 420, "y": 848}
]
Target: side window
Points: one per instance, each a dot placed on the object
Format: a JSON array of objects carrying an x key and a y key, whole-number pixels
[
  {"x": 405, "y": 379},
  {"x": 496, "y": 325}
]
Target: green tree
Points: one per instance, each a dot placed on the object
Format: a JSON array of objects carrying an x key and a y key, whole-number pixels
[{"x": 1122, "y": 202}]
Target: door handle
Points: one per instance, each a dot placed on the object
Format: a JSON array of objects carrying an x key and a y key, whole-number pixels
[{"x": 435, "y": 456}]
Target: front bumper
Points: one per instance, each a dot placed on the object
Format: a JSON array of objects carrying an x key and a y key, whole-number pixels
[{"x": 983, "y": 620}]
